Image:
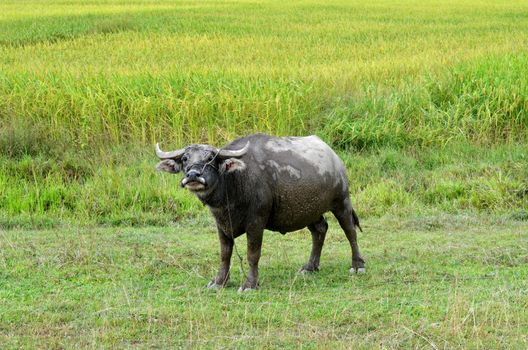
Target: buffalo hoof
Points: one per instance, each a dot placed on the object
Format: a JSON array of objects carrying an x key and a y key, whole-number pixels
[
  {"x": 214, "y": 285},
  {"x": 358, "y": 271},
  {"x": 248, "y": 287},
  {"x": 307, "y": 269}
]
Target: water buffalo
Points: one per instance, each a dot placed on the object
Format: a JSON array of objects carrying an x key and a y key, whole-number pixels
[{"x": 262, "y": 182}]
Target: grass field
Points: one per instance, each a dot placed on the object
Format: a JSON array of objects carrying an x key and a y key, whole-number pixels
[
  {"x": 400, "y": 89},
  {"x": 456, "y": 282},
  {"x": 425, "y": 101},
  {"x": 110, "y": 72}
]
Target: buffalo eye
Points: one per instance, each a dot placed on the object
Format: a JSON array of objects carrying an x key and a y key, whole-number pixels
[
  {"x": 184, "y": 158},
  {"x": 210, "y": 158}
]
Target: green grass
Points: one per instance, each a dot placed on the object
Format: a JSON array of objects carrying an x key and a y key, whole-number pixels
[
  {"x": 39, "y": 191},
  {"x": 448, "y": 282},
  {"x": 426, "y": 102},
  {"x": 111, "y": 72}
]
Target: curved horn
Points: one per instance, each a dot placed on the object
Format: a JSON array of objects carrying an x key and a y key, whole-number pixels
[
  {"x": 169, "y": 155},
  {"x": 225, "y": 153}
]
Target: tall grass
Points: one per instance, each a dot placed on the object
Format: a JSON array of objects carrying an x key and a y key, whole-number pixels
[
  {"x": 87, "y": 88},
  {"x": 100, "y": 111},
  {"x": 483, "y": 102}
]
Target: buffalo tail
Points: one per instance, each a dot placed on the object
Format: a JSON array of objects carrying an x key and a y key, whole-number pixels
[{"x": 356, "y": 220}]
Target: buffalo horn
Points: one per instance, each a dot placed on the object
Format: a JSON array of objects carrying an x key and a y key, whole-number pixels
[
  {"x": 169, "y": 155},
  {"x": 225, "y": 153}
]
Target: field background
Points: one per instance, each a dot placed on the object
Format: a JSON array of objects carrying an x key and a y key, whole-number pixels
[{"x": 426, "y": 102}]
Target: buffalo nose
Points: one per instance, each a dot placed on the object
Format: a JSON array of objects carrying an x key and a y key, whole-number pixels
[{"x": 192, "y": 174}]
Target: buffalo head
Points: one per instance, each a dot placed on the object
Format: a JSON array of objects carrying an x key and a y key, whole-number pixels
[{"x": 202, "y": 164}]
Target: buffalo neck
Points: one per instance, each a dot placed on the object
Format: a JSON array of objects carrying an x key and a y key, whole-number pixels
[{"x": 217, "y": 197}]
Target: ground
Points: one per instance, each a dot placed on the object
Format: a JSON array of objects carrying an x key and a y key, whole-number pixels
[{"x": 432, "y": 282}]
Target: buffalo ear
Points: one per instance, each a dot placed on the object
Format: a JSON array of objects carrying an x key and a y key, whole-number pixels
[
  {"x": 169, "y": 165},
  {"x": 232, "y": 164}
]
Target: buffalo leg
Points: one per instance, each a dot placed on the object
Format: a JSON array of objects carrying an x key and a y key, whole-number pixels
[
  {"x": 254, "y": 245},
  {"x": 318, "y": 231},
  {"x": 226, "y": 249},
  {"x": 345, "y": 217}
]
